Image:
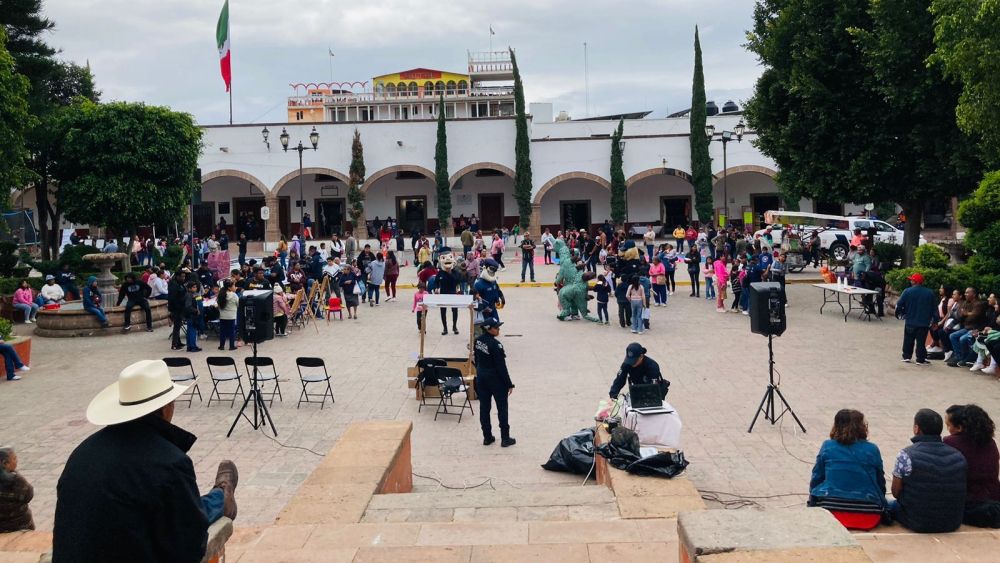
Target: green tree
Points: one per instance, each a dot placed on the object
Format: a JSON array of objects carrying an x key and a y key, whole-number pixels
[
  {"x": 980, "y": 214},
  {"x": 522, "y": 151},
  {"x": 441, "y": 172},
  {"x": 24, "y": 23},
  {"x": 356, "y": 178},
  {"x": 14, "y": 121},
  {"x": 701, "y": 162},
  {"x": 122, "y": 165},
  {"x": 850, "y": 110},
  {"x": 967, "y": 46},
  {"x": 618, "y": 210}
]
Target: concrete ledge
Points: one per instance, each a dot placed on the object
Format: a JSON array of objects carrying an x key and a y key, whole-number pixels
[
  {"x": 731, "y": 536},
  {"x": 74, "y": 321},
  {"x": 646, "y": 497},
  {"x": 370, "y": 458}
]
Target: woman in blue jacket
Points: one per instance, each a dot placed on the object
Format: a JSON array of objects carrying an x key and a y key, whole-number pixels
[{"x": 848, "y": 477}]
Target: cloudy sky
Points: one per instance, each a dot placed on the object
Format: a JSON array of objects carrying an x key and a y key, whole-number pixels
[{"x": 640, "y": 51}]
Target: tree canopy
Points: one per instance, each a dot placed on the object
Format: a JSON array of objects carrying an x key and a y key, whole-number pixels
[
  {"x": 14, "y": 121},
  {"x": 441, "y": 178},
  {"x": 701, "y": 162},
  {"x": 122, "y": 165},
  {"x": 618, "y": 202},
  {"x": 522, "y": 151},
  {"x": 356, "y": 177},
  {"x": 849, "y": 109}
]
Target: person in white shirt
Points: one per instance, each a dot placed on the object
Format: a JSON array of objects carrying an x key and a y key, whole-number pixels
[
  {"x": 158, "y": 285},
  {"x": 51, "y": 292}
]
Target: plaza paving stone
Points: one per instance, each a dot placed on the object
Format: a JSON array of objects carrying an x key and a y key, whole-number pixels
[{"x": 717, "y": 368}]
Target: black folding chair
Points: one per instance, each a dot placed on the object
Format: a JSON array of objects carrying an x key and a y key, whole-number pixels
[
  {"x": 181, "y": 370},
  {"x": 225, "y": 370},
  {"x": 426, "y": 377},
  {"x": 265, "y": 372},
  {"x": 315, "y": 372},
  {"x": 450, "y": 381}
]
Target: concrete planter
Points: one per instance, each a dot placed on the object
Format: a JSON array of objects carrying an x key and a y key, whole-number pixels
[{"x": 72, "y": 320}]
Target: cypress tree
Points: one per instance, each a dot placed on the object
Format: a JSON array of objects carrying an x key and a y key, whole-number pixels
[
  {"x": 618, "y": 204},
  {"x": 441, "y": 172},
  {"x": 355, "y": 198},
  {"x": 522, "y": 152},
  {"x": 701, "y": 163}
]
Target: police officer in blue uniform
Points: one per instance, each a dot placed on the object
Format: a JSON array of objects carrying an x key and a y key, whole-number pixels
[{"x": 492, "y": 382}]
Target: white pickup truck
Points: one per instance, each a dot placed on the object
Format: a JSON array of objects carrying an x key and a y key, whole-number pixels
[{"x": 835, "y": 232}]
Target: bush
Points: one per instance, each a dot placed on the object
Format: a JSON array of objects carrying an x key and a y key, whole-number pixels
[
  {"x": 931, "y": 256},
  {"x": 890, "y": 254},
  {"x": 73, "y": 255},
  {"x": 958, "y": 277},
  {"x": 9, "y": 285},
  {"x": 6, "y": 329},
  {"x": 172, "y": 256},
  {"x": 8, "y": 258}
]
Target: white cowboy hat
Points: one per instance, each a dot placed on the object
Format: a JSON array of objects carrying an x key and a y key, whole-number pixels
[{"x": 142, "y": 388}]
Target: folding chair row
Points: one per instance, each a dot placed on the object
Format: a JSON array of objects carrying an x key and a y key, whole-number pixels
[
  {"x": 224, "y": 370},
  {"x": 448, "y": 381}
]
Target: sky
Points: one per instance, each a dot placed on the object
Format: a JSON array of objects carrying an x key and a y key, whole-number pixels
[{"x": 640, "y": 52}]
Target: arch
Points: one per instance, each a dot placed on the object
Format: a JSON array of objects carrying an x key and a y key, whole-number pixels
[
  {"x": 479, "y": 165},
  {"x": 658, "y": 172},
  {"x": 392, "y": 170},
  {"x": 569, "y": 176},
  {"x": 717, "y": 177},
  {"x": 401, "y": 89},
  {"x": 463, "y": 87},
  {"x": 313, "y": 170},
  {"x": 254, "y": 181},
  {"x": 450, "y": 88},
  {"x": 428, "y": 89}
]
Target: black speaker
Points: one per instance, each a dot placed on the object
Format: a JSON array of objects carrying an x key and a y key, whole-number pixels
[
  {"x": 767, "y": 309},
  {"x": 257, "y": 315}
]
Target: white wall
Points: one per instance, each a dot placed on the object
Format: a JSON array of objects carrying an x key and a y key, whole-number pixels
[
  {"x": 466, "y": 200},
  {"x": 381, "y": 196},
  {"x": 644, "y": 197},
  {"x": 576, "y": 189}
]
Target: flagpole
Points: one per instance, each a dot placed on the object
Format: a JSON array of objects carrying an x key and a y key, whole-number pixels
[
  {"x": 491, "y": 38},
  {"x": 230, "y": 102}
]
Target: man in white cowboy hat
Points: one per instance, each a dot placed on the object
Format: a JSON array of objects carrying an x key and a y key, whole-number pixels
[{"x": 129, "y": 491}]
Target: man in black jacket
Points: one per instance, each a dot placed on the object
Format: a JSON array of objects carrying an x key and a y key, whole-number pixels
[
  {"x": 176, "y": 294},
  {"x": 135, "y": 294},
  {"x": 492, "y": 382},
  {"x": 638, "y": 369},
  {"x": 129, "y": 491}
]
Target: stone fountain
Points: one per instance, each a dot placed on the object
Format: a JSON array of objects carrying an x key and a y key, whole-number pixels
[{"x": 106, "y": 280}]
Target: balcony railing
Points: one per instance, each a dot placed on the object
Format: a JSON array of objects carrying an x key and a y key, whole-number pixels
[
  {"x": 321, "y": 100},
  {"x": 490, "y": 62}
]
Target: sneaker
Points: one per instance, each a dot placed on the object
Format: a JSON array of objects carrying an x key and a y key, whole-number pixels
[
  {"x": 948, "y": 354},
  {"x": 27, "y": 321},
  {"x": 923, "y": 363},
  {"x": 905, "y": 360},
  {"x": 14, "y": 378},
  {"x": 24, "y": 368},
  {"x": 126, "y": 328},
  {"x": 507, "y": 442},
  {"x": 226, "y": 479},
  {"x": 990, "y": 369},
  {"x": 489, "y": 440},
  {"x": 149, "y": 330},
  {"x": 977, "y": 366},
  {"x": 745, "y": 313},
  {"x": 633, "y": 331},
  {"x": 935, "y": 349}
]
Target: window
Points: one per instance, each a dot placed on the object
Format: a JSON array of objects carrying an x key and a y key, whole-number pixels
[
  {"x": 413, "y": 89},
  {"x": 401, "y": 88},
  {"x": 449, "y": 111},
  {"x": 884, "y": 227},
  {"x": 438, "y": 87},
  {"x": 451, "y": 88},
  {"x": 380, "y": 89},
  {"x": 365, "y": 113},
  {"x": 428, "y": 88},
  {"x": 391, "y": 90},
  {"x": 462, "y": 87}
]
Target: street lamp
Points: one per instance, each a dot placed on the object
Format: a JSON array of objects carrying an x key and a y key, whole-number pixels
[
  {"x": 725, "y": 137},
  {"x": 264, "y": 133},
  {"x": 314, "y": 140}
]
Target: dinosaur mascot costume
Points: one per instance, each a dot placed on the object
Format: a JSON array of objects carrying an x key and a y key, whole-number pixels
[
  {"x": 448, "y": 282},
  {"x": 572, "y": 286},
  {"x": 488, "y": 289}
]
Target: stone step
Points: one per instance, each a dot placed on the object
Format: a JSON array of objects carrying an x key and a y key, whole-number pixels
[{"x": 589, "y": 503}]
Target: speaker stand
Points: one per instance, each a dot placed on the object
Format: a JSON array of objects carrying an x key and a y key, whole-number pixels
[
  {"x": 261, "y": 416},
  {"x": 767, "y": 402}
]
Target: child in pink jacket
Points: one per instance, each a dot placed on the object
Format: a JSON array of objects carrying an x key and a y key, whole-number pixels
[
  {"x": 721, "y": 283},
  {"x": 24, "y": 300}
]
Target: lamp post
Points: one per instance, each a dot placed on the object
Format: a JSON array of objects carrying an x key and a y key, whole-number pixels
[
  {"x": 314, "y": 140},
  {"x": 725, "y": 137}
]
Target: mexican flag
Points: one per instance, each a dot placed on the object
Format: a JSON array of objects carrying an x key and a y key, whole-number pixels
[{"x": 222, "y": 39}]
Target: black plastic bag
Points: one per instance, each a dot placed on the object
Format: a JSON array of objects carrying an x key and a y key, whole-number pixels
[
  {"x": 574, "y": 454},
  {"x": 660, "y": 465}
]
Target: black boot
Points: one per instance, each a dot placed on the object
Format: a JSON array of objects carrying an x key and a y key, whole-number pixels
[
  {"x": 506, "y": 442},
  {"x": 488, "y": 440}
]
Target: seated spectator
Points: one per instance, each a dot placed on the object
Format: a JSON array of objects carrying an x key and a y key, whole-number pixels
[
  {"x": 15, "y": 494},
  {"x": 848, "y": 478},
  {"x": 24, "y": 300},
  {"x": 92, "y": 301},
  {"x": 67, "y": 281},
  {"x": 12, "y": 362},
  {"x": 971, "y": 432},
  {"x": 51, "y": 292},
  {"x": 159, "y": 287},
  {"x": 988, "y": 338},
  {"x": 129, "y": 491},
  {"x": 972, "y": 317},
  {"x": 928, "y": 479}
]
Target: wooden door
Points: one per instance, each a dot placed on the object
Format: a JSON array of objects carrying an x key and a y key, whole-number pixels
[
  {"x": 204, "y": 218},
  {"x": 490, "y": 211}
]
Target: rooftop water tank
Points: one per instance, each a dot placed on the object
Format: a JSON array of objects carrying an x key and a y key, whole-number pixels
[
  {"x": 730, "y": 106},
  {"x": 711, "y": 108}
]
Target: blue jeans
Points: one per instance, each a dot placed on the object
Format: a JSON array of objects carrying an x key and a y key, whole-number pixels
[
  {"x": 227, "y": 332},
  {"x": 644, "y": 282},
  {"x": 649, "y": 252},
  {"x": 97, "y": 312},
  {"x": 637, "y": 316},
  {"x": 30, "y": 311},
  {"x": 373, "y": 292},
  {"x": 660, "y": 293},
  {"x": 283, "y": 259},
  {"x": 527, "y": 263},
  {"x": 192, "y": 334},
  {"x": 745, "y": 299},
  {"x": 709, "y": 288},
  {"x": 961, "y": 343},
  {"x": 211, "y": 504},
  {"x": 602, "y": 311},
  {"x": 12, "y": 362}
]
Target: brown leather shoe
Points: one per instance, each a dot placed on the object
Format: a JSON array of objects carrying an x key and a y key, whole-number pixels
[{"x": 226, "y": 479}]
